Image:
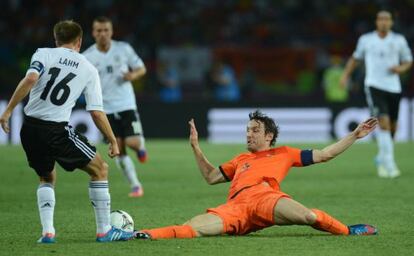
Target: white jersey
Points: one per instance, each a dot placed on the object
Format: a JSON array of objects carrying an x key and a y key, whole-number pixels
[
  {"x": 118, "y": 94},
  {"x": 380, "y": 55},
  {"x": 64, "y": 75}
]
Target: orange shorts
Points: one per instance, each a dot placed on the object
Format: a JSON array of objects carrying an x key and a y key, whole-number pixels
[{"x": 249, "y": 211}]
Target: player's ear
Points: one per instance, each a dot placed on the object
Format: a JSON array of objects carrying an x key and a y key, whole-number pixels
[{"x": 269, "y": 137}]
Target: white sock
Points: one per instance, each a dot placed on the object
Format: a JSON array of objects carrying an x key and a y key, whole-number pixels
[
  {"x": 101, "y": 202},
  {"x": 386, "y": 149},
  {"x": 127, "y": 166},
  {"x": 142, "y": 142},
  {"x": 46, "y": 203}
]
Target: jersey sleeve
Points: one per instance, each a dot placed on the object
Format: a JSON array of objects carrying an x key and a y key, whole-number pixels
[
  {"x": 228, "y": 169},
  {"x": 134, "y": 61},
  {"x": 300, "y": 157},
  {"x": 359, "y": 52},
  {"x": 37, "y": 63},
  {"x": 405, "y": 51},
  {"x": 93, "y": 93}
]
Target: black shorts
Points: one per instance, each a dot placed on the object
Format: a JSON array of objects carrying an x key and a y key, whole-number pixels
[
  {"x": 383, "y": 103},
  {"x": 125, "y": 123},
  {"x": 46, "y": 142}
]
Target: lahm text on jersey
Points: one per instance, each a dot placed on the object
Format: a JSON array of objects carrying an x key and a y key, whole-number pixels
[{"x": 68, "y": 62}]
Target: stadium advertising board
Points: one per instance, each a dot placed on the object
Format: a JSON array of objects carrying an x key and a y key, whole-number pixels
[{"x": 228, "y": 124}]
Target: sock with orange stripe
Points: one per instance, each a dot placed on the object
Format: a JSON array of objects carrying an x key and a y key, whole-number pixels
[
  {"x": 184, "y": 231},
  {"x": 325, "y": 222}
]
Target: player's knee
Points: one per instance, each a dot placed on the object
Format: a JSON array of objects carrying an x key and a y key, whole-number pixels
[
  {"x": 100, "y": 171},
  {"x": 384, "y": 123},
  {"x": 310, "y": 218},
  {"x": 194, "y": 227},
  {"x": 133, "y": 143}
]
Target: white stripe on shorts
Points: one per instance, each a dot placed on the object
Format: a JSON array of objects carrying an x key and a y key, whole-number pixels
[{"x": 81, "y": 145}]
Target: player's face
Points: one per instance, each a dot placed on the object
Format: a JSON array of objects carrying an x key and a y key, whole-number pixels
[
  {"x": 102, "y": 32},
  {"x": 384, "y": 22},
  {"x": 257, "y": 139}
]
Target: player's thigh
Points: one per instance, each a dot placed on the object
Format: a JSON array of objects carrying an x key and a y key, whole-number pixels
[
  {"x": 133, "y": 142},
  {"x": 377, "y": 101},
  {"x": 394, "y": 106},
  {"x": 71, "y": 149},
  {"x": 290, "y": 212},
  {"x": 97, "y": 168},
  {"x": 35, "y": 145},
  {"x": 121, "y": 146},
  {"x": 206, "y": 225},
  {"x": 131, "y": 123}
]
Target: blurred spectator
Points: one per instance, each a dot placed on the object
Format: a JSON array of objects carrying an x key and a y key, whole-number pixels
[
  {"x": 263, "y": 24},
  {"x": 331, "y": 81},
  {"x": 226, "y": 87},
  {"x": 169, "y": 81}
]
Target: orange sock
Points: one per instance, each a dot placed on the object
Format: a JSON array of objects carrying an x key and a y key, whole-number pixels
[
  {"x": 327, "y": 223},
  {"x": 184, "y": 231}
]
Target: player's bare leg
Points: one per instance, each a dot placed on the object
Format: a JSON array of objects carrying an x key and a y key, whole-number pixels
[
  {"x": 46, "y": 203},
  {"x": 290, "y": 212},
  {"x": 393, "y": 128},
  {"x": 137, "y": 143},
  {"x": 206, "y": 225},
  {"x": 125, "y": 163},
  {"x": 201, "y": 225},
  {"x": 51, "y": 178},
  {"x": 386, "y": 165}
]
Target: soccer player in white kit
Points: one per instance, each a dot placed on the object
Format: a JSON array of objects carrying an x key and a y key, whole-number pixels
[
  {"x": 386, "y": 56},
  {"x": 118, "y": 65},
  {"x": 55, "y": 79}
]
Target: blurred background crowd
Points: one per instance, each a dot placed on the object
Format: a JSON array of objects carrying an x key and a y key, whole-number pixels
[{"x": 215, "y": 50}]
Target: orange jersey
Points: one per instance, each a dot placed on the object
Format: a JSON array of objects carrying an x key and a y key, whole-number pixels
[{"x": 271, "y": 166}]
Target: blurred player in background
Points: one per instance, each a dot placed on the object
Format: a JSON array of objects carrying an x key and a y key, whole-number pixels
[
  {"x": 255, "y": 200},
  {"x": 386, "y": 55},
  {"x": 55, "y": 79},
  {"x": 118, "y": 65}
]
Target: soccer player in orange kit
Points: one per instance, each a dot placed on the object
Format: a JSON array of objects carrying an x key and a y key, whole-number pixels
[{"x": 255, "y": 201}]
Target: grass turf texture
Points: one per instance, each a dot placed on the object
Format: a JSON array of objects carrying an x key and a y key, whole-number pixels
[{"x": 346, "y": 187}]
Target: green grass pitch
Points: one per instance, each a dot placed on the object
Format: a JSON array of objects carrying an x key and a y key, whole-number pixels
[{"x": 347, "y": 188}]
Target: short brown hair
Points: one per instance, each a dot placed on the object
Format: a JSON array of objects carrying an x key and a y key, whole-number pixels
[
  {"x": 67, "y": 31},
  {"x": 102, "y": 19},
  {"x": 269, "y": 123}
]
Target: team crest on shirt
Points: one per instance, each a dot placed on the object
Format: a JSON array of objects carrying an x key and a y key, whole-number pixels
[
  {"x": 245, "y": 167},
  {"x": 117, "y": 58}
]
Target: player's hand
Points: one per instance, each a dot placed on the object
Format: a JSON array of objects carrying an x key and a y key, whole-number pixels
[
  {"x": 396, "y": 70},
  {"x": 113, "y": 150},
  {"x": 4, "y": 121},
  {"x": 365, "y": 127},
  {"x": 193, "y": 134},
  {"x": 128, "y": 76}
]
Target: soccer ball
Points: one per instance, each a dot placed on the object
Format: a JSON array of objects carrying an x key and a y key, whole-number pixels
[{"x": 122, "y": 220}]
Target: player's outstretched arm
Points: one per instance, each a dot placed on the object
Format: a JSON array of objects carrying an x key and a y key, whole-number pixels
[
  {"x": 337, "y": 148},
  {"x": 101, "y": 121},
  {"x": 19, "y": 94},
  {"x": 210, "y": 173},
  {"x": 349, "y": 68},
  {"x": 399, "y": 69}
]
